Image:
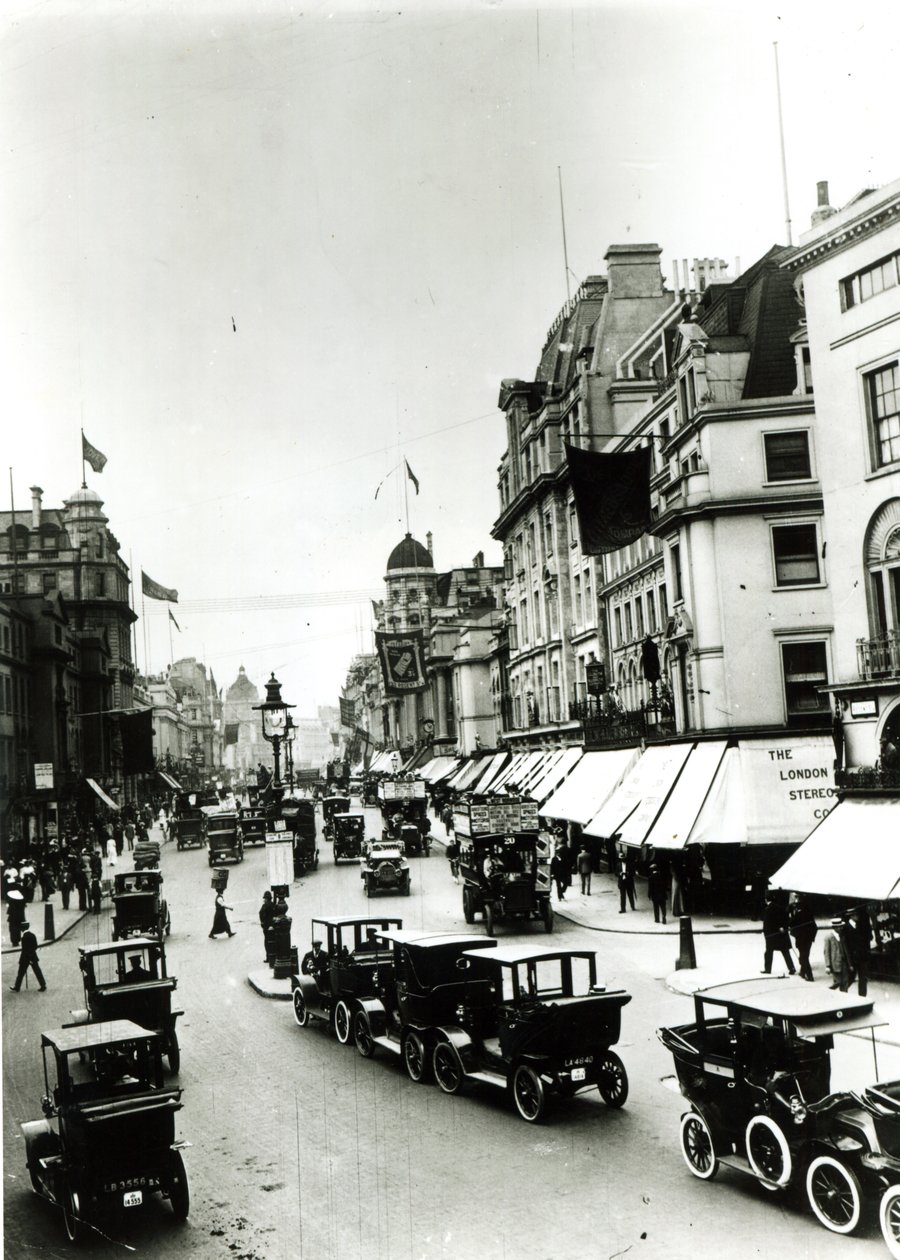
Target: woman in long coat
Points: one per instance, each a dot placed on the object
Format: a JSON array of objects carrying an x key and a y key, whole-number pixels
[{"x": 220, "y": 918}]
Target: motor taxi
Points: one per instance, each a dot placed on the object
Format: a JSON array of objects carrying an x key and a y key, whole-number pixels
[
  {"x": 348, "y": 833},
  {"x": 331, "y": 806},
  {"x": 755, "y": 1067},
  {"x": 105, "y": 1144},
  {"x": 385, "y": 869},
  {"x": 128, "y": 980},
  {"x": 224, "y": 838},
  {"x": 139, "y": 908},
  {"x": 253, "y": 825},
  {"x": 343, "y": 970}
]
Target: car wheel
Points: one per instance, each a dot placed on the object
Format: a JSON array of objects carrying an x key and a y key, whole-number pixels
[
  {"x": 697, "y": 1146},
  {"x": 173, "y": 1054},
  {"x": 178, "y": 1189},
  {"x": 71, "y": 1210},
  {"x": 612, "y": 1080},
  {"x": 548, "y": 916},
  {"x": 834, "y": 1196},
  {"x": 362, "y": 1033},
  {"x": 343, "y": 1024},
  {"x": 468, "y": 911},
  {"x": 168, "y": 922},
  {"x": 301, "y": 1010},
  {"x": 489, "y": 918},
  {"x": 528, "y": 1092},
  {"x": 889, "y": 1219},
  {"x": 114, "y": 932},
  {"x": 768, "y": 1153},
  {"x": 448, "y": 1071},
  {"x": 415, "y": 1056}
]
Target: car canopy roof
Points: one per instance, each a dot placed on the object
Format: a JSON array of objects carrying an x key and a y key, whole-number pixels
[
  {"x": 341, "y": 920},
  {"x": 814, "y": 1011},
  {"x": 119, "y": 947},
  {"x": 430, "y": 940},
  {"x": 77, "y": 1037},
  {"x": 509, "y": 955}
]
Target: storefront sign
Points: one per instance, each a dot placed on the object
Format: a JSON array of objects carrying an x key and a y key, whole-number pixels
[
  {"x": 788, "y": 788},
  {"x": 864, "y": 708},
  {"x": 43, "y": 776}
]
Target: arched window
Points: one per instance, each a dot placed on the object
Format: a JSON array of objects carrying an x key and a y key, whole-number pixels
[{"x": 882, "y": 561}]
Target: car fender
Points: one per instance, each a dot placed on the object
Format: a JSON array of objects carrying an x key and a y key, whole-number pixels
[
  {"x": 375, "y": 1012},
  {"x": 458, "y": 1037}
]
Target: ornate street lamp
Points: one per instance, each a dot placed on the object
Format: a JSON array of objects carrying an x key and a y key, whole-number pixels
[
  {"x": 290, "y": 734},
  {"x": 274, "y": 722},
  {"x": 279, "y": 844}
]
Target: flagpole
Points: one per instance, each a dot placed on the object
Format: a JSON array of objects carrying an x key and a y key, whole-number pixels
[
  {"x": 144, "y": 621},
  {"x": 131, "y": 601},
  {"x": 171, "y": 649},
  {"x": 15, "y": 549},
  {"x": 406, "y": 495},
  {"x": 83, "y": 470}
]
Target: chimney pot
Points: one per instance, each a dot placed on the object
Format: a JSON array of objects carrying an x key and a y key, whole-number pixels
[
  {"x": 36, "y": 493},
  {"x": 428, "y": 544},
  {"x": 822, "y": 192}
]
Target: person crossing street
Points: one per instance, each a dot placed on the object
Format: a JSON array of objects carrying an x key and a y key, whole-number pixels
[{"x": 29, "y": 958}]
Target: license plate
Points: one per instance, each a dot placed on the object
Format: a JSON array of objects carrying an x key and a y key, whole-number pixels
[
  {"x": 132, "y": 1198},
  {"x": 577, "y": 1074}
]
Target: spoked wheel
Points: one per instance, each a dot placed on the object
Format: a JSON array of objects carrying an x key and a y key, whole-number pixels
[
  {"x": 768, "y": 1153},
  {"x": 178, "y": 1190},
  {"x": 173, "y": 1054},
  {"x": 415, "y": 1057},
  {"x": 301, "y": 1010},
  {"x": 612, "y": 1080},
  {"x": 834, "y": 1196},
  {"x": 448, "y": 1070},
  {"x": 528, "y": 1092},
  {"x": 489, "y": 918},
  {"x": 889, "y": 1219},
  {"x": 697, "y": 1146},
  {"x": 71, "y": 1210},
  {"x": 343, "y": 1026},
  {"x": 362, "y": 1033}
]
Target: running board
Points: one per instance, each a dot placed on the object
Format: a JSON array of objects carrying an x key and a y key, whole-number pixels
[
  {"x": 387, "y": 1043},
  {"x": 488, "y": 1078},
  {"x": 739, "y": 1163}
]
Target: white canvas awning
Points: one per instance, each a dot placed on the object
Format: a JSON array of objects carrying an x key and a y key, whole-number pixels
[
  {"x": 509, "y": 772},
  {"x": 633, "y": 808},
  {"x": 853, "y": 853},
  {"x": 494, "y": 766},
  {"x": 437, "y": 768},
  {"x": 107, "y": 800},
  {"x": 676, "y": 819},
  {"x": 554, "y": 773},
  {"x": 595, "y": 776}
]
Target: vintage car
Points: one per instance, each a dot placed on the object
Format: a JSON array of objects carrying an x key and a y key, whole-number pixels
[
  {"x": 128, "y": 980},
  {"x": 385, "y": 869},
  {"x": 345, "y": 969},
  {"x": 253, "y": 825},
  {"x": 531, "y": 1022},
  {"x": 506, "y": 877},
  {"x": 224, "y": 838},
  {"x": 755, "y": 1067},
  {"x": 413, "y": 841},
  {"x": 108, "y": 1144},
  {"x": 348, "y": 833},
  {"x": 139, "y": 908},
  {"x": 190, "y": 831},
  {"x": 146, "y": 855},
  {"x": 332, "y": 805},
  {"x": 300, "y": 819}
]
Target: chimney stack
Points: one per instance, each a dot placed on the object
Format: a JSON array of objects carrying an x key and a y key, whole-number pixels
[
  {"x": 36, "y": 493},
  {"x": 428, "y": 545},
  {"x": 823, "y": 210}
]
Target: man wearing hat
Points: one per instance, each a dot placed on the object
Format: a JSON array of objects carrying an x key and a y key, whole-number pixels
[
  {"x": 837, "y": 960},
  {"x": 29, "y": 958},
  {"x": 15, "y": 912}
]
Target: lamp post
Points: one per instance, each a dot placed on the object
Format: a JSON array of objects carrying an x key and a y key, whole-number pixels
[
  {"x": 274, "y": 724},
  {"x": 290, "y": 734},
  {"x": 279, "y": 845}
]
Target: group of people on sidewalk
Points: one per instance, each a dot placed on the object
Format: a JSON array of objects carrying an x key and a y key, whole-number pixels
[{"x": 847, "y": 946}]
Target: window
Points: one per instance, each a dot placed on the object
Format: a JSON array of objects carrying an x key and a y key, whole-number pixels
[
  {"x": 869, "y": 282},
  {"x": 787, "y": 456},
  {"x": 639, "y": 617},
  {"x": 617, "y": 614},
  {"x": 578, "y": 609},
  {"x": 532, "y": 544},
  {"x": 48, "y": 581},
  {"x": 651, "y": 612},
  {"x": 573, "y": 525},
  {"x": 100, "y": 583},
  {"x": 883, "y": 399},
  {"x": 675, "y": 554},
  {"x": 548, "y": 533},
  {"x": 796, "y": 552},
  {"x": 805, "y": 668},
  {"x": 629, "y": 631},
  {"x": 663, "y": 604}
]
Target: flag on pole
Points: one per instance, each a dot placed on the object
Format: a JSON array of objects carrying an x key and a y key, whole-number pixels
[
  {"x": 174, "y": 622},
  {"x": 412, "y": 476},
  {"x": 153, "y": 590},
  {"x": 91, "y": 455},
  {"x": 612, "y": 497}
]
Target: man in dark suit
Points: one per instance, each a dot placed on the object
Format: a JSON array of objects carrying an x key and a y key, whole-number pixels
[{"x": 29, "y": 958}]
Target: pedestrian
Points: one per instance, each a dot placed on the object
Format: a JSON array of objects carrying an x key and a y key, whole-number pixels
[
  {"x": 656, "y": 891},
  {"x": 625, "y": 881},
  {"x": 452, "y": 851},
  {"x": 96, "y": 862},
  {"x": 80, "y": 881},
  {"x": 447, "y": 819},
  {"x": 119, "y": 836},
  {"x": 96, "y": 894},
  {"x": 266, "y": 914},
  {"x": 65, "y": 884},
  {"x": 111, "y": 851},
  {"x": 29, "y": 958},
  {"x": 220, "y": 918},
  {"x": 27, "y": 879},
  {"x": 583, "y": 862},
  {"x": 129, "y": 834},
  {"x": 858, "y": 936},
  {"x": 803, "y": 929},
  {"x": 837, "y": 960},
  {"x": 15, "y": 913},
  {"x": 561, "y": 869},
  {"x": 45, "y": 879},
  {"x": 775, "y": 934}
]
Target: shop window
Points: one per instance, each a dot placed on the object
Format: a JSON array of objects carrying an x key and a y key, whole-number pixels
[
  {"x": 787, "y": 456},
  {"x": 805, "y": 667},
  {"x": 796, "y": 554}
]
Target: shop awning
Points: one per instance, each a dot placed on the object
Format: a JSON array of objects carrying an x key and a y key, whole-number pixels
[
  {"x": 536, "y": 770},
  {"x": 469, "y": 773},
  {"x": 635, "y": 805},
  {"x": 417, "y": 759},
  {"x": 107, "y": 800},
  {"x": 677, "y": 817},
  {"x": 438, "y": 768},
  {"x": 523, "y": 771},
  {"x": 493, "y": 767},
  {"x": 452, "y": 767},
  {"x": 554, "y": 773},
  {"x": 768, "y": 791},
  {"x": 595, "y": 776},
  {"x": 167, "y": 779},
  {"x": 853, "y": 853},
  {"x": 508, "y": 773}
]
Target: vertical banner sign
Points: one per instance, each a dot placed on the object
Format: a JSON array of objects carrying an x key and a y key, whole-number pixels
[
  {"x": 612, "y": 497},
  {"x": 402, "y": 659},
  {"x": 348, "y": 712}
]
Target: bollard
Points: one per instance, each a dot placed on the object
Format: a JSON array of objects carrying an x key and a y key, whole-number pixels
[
  {"x": 49, "y": 933},
  {"x": 687, "y": 959}
]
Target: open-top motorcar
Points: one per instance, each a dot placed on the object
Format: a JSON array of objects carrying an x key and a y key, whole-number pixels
[
  {"x": 128, "y": 980},
  {"x": 139, "y": 908},
  {"x": 333, "y": 978},
  {"x": 755, "y": 1067},
  {"x": 385, "y": 869},
  {"x": 532, "y": 1022},
  {"x": 348, "y": 833},
  {"x": 253, "y": 825},
  {"x": 224, "y": 838},
  {"x": 105, "y": 1144}
]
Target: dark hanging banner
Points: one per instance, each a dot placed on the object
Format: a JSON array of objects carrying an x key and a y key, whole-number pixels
[
  {"x": 232, "y": 730},
  {"x": 348, "y": 712},
  {"x": 136, "y": 730},
  {"x": 612, "y": 497},
  {"x": 650, "y": 660},
  {"x": 402, "y": 659}
]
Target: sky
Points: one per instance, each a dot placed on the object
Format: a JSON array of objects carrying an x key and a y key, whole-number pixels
[{"x": 264, "y": 253}]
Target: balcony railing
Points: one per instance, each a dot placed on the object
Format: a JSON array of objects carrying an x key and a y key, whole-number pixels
[
  {"x": 868, "y": 779},
  {"x": 879, "y": 658},
  {"x": 617, "y": 727}
]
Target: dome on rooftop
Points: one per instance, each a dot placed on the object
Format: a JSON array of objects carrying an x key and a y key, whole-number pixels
[
  {"x": 84, "y": 496},
  {"x": 409, "y": 554}
]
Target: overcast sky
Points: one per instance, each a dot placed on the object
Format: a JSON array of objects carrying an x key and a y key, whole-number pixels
[{"x": 262, "y": 253}]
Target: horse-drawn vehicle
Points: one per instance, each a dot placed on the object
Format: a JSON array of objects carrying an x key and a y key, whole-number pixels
[
  {"x": 139, "y": 908},
  {"x": 505, "y": 863}
]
